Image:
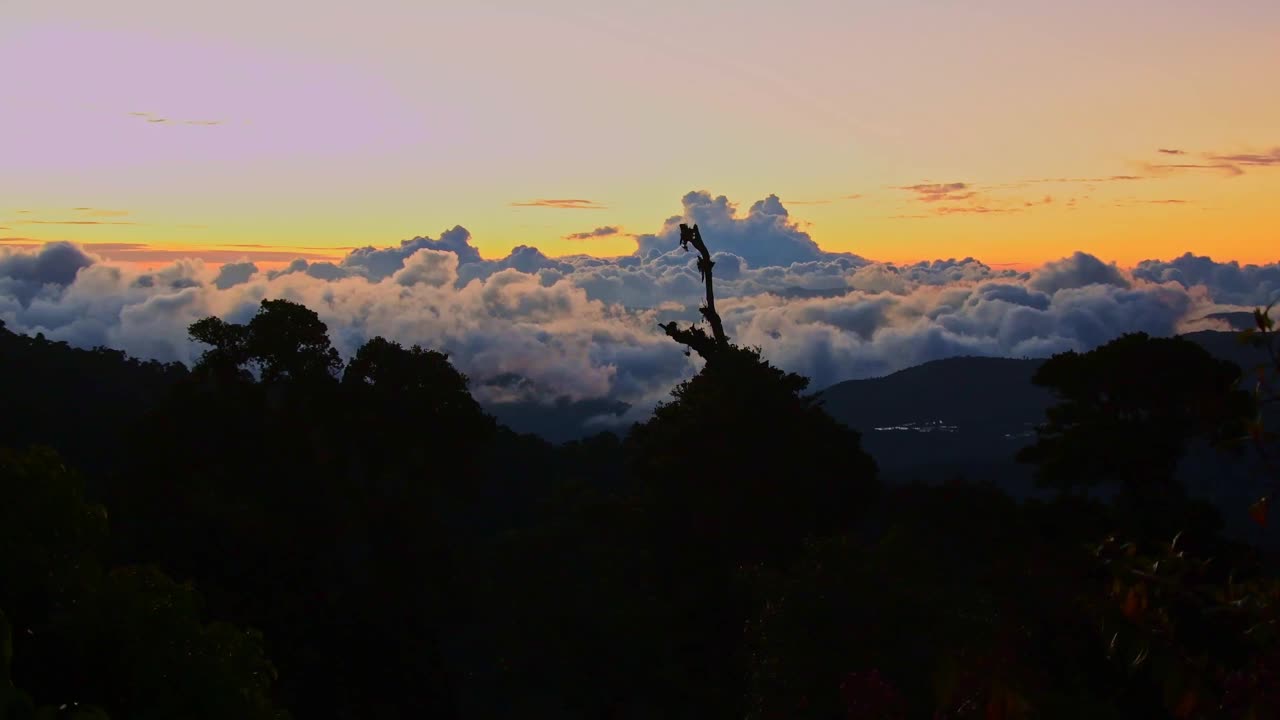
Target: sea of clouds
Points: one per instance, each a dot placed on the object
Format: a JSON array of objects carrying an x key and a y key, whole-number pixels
[{"x": 532, "y": 327}]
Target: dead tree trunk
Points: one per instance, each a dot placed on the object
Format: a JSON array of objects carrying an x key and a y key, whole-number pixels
[{"x": 693, "y": 336}]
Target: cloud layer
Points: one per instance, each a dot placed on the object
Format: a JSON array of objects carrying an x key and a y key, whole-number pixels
[{"x": 532, "y": 327}]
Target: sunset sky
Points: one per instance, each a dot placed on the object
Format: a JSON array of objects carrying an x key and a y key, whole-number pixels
[{"x": 1014, "y": 131}]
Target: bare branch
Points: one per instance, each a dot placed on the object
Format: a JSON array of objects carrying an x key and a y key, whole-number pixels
[{"x": 695, "y": 337}]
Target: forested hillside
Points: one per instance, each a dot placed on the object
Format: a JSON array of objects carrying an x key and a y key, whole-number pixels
[{"x": 276, "y": 532}]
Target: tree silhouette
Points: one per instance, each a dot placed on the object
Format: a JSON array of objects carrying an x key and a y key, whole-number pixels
[
  {"x": 228, "y": 351},
  {"x": 417, "y": 401},
  {"x": 283, "y": 340},
  {"x": 738, "y": 468},
  {"x": 1127, "y": 411},
  {"x": 325, "y": 510},
  {"x": 1261, "y": 433},
  {"x": 696, "y": 338},
  {"x": 805, "y": 473},
  {"x": 750, "y": 465}
]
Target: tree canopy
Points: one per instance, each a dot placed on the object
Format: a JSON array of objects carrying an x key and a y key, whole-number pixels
[{"x": 1128, "y": 409}]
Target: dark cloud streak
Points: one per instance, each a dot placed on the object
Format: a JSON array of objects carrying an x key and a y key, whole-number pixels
[
  {"x": 975, "y": 210},
  {"x": 604, "y": 231},
  {"x": 162, "y": 120},
  {"x": 937, "y": 192},
  {"x": 1266, "y": 159},
  {"x": 1229, "y": 164},
  {"x": 562, "y": 204},
  {"x": 1164, "y": 169}
]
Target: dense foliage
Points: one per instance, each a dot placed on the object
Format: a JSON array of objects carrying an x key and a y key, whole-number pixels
[
  {"x": 395, "y": 553},
  {"x": 129, "y": 640}
]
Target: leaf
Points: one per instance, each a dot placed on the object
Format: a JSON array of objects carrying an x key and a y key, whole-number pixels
[
  {"x": 1135, "y": 603},
  {"x": 1258, "y": 511}
]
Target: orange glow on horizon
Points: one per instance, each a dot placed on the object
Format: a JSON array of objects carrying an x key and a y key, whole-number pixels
[{"x": 1127, "y": 135}]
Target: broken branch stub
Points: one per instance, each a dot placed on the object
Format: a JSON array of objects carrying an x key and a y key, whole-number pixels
[{"x": 695, "y": 337}]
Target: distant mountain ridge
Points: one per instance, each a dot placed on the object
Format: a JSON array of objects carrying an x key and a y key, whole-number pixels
[
  {"x": 974, "y": 390},
  {"x": 992, "y": 394},
  {"x": 968, "y": 416},
  {"x": 958, "y": 390}
]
